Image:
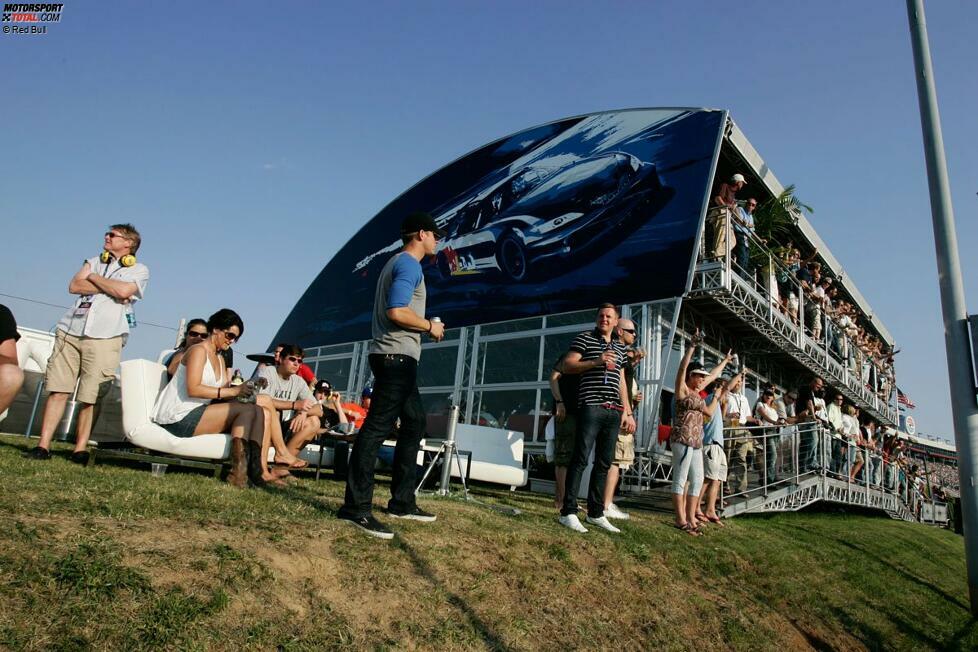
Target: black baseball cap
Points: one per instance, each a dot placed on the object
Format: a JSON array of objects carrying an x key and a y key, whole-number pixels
[
  {"x": 323, "y": 386},
  {"x": 420, "y": 221}
]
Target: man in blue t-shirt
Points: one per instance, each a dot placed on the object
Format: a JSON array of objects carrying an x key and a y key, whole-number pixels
[{"x": 398, "y": 323}]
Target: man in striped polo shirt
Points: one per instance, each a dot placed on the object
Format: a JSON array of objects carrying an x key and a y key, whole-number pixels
[{"x": 603, "y": 410}]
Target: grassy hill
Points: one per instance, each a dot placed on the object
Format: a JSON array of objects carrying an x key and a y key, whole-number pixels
[{"x": 111, "y": 558}]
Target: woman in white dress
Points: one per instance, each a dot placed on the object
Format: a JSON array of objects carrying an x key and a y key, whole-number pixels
[{"x": 185, "y": 406}]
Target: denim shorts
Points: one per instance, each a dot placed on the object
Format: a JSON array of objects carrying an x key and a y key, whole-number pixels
[{"x": 185, "y": 427}]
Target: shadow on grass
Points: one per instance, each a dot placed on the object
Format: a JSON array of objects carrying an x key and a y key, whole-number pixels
[
  {"x": 869, "y": 554},
  {"x": 305, "y": 495},
  {"x": 959, "y": 636},
  {"x": 488, "y": 636}
]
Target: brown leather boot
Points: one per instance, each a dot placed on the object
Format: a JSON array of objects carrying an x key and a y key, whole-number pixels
[{"x": 238, "y": 476}]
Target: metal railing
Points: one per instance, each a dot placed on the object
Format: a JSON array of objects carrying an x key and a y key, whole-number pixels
[
  {"x": 798, "y": 322},
  {"x": 780, "y": 468}
]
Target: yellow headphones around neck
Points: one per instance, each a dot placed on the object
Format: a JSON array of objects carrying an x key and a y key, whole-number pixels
[{"x": 125, "y": 261}]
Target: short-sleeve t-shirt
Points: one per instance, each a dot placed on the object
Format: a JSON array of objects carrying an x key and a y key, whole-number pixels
[
  {"x": 599, "y": 385},
  {"x": 569, "y": 385},
  {"x": 291, "y": 389},
  {"x": 401, "y": 284},
  {"x": 99, "y": 316},
  {"x": 8, "y": 325}
]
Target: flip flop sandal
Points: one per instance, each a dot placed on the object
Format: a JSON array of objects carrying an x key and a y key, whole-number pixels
[
  {"x": 717, "y": 520},
  {"x": 692, "y": 531}
]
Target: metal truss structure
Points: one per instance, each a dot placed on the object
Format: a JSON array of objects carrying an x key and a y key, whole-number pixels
[
  {"x": 715, "y": 282},
  {"x": 814, "y": 488}
]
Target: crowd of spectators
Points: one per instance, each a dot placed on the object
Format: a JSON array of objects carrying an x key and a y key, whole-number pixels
[{"x": 800, "y": 287}]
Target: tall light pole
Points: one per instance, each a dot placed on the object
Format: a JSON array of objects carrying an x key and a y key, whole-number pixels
[{"x": 959, "y": 362}]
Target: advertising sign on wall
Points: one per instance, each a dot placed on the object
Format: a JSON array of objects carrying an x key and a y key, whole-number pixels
[{"x": 561, "y": 217}]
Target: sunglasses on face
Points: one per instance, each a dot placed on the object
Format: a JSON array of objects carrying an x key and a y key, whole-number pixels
[
  {"x": 628, "y": 330},
  {"x": 230, "y": 337},
  {"x": 197, "y": 334},
  {"x": 112, "y": 234},
  {"x": 292, "y": 358}
]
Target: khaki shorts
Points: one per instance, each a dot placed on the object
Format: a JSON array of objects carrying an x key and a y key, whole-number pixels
[
  {"x": 92, "y": 360},
  {"x": 624, "y": 450},
  {"x": 714, "y": 463},
  {"x": 565, "y": 434}
]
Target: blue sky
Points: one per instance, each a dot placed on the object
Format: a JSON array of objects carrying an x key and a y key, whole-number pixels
[{"x": 248, "y": 141}]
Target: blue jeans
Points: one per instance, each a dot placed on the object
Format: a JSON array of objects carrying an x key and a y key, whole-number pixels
[
  {"x": 597, "y": 428},
  {"x": 741, "y": 253},
  {"x": 808, "y": 450},
  {"x": 395, "y": 396}
]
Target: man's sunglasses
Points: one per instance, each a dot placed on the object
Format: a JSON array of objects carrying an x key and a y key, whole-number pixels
[
  {"x": 292, "y": 358},
  {"x": 113, "y": 234},
  {"x": 628, "y": 330},
  {"x": 200, "y": 334}
]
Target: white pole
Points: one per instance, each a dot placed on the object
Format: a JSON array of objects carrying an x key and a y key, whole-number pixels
[{"x": 959, "y": 364}]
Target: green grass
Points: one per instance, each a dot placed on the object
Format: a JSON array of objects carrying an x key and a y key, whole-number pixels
[{"x": 111, "y": 558}]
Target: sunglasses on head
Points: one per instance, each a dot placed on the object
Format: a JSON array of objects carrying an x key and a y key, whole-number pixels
[
  {"x": 196, "y": 333},
  {"x": 229, "y": 336},
  {"x": 292, "y": 358}
]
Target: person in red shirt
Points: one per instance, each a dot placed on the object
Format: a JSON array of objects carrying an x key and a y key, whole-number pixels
[{"x": 357, "y": 412}]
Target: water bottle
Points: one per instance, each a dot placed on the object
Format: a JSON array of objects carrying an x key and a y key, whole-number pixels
[
  {"x": 735, "y": 360},
  {"x": 130, "y": 316},
  {"x": 237, "y": 379}
]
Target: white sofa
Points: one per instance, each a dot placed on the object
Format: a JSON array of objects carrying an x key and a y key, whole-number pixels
[
  {"x": 142, "y": 381},
  {"x": 497, "y": 454}
]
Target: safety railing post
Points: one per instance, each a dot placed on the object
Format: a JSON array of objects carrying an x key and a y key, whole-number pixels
[
  {"x": 796, "y": 444},
  {"x": 767, "y": 442},
  {"x": 801, "y": 317}
]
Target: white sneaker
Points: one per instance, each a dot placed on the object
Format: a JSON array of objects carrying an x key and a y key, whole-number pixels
[
  {"x": 571, "y": 521},
  {"x": 603, "y": 523},
  {"x": 612, "y": 511}
]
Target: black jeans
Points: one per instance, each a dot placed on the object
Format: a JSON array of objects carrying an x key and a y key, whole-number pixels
[
  {"x": 395, "y": 396},
  {"x": 597, "y": 427}
]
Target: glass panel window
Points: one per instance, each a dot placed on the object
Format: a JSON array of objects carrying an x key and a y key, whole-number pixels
[
  {"x": 437, "y": 366},
  {"x": 337, "y": 372},
  {"x": 555, "y": 346},
  {"x": 514, "y": 326},
  {"x": 436, "y": 407},
  {"x": 583, "y": 317},
  {"x": 509, "y": 361},
  {"x": 672, "y": 364},
  {"x": 510, "y": 409},
  {"x": 336, "y": 348}
]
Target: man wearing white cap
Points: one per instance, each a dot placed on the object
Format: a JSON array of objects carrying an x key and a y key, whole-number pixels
[{"x": 724, "y": 207}]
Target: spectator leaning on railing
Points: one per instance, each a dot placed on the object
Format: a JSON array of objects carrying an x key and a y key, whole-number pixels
[
  {"x": 740, "y": 444},
  {"x": 768, "y": 438},
  {"x": 725, "y": 206}
]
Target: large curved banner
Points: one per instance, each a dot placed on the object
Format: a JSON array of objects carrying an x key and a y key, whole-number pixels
[{"x": 561, "y": 217}]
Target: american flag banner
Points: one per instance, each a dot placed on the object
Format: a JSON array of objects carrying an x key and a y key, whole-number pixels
[{"x": 903, "y": 399}]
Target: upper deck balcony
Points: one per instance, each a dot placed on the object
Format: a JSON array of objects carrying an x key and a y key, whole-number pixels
[{"x": 749, "y": 301}]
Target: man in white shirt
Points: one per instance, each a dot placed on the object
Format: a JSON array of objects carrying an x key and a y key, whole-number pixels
[
  {"x": 739, "y": 442},
  {"x": 90, "y": 336}
]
